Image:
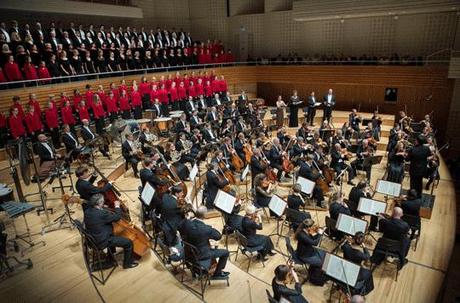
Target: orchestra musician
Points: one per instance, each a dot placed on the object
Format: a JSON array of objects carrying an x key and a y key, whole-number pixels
[
  {"x": 355, "y": 251},
  {"x": 171, "y": 214},
  {"x": 84, "y": 184},
  {"x": 280, "y": 281},
  {"x": 197, "y": 233},
  {"x": 214, "y": 182},
  {"x": 418, "y": 157},
  {"x": 354, "y": 120},
  {"x": 146, "y": 139},
  {"x": 396, "y": 159},
  {"x": 275, "y": 156},
  {"x": 328, "y": 102},
  {"x": 208, "y": 134},
  {"x": 182, "y": 124},
  {"x": 311, "y": 173},
  {"x": 98, "y": 223},
  {"x": 364, "y": 151},
  {"x": 263, "y": 191},
  {"x": 251, "y": 223},
  {"x": 130, "y": 152},
  {"x": 88, "y": 135},
  {"x": 336, "y": 207},
  {"x": 47, "y": 156},
  {"x": 295, "y": 200},
  {"x": 361, "y": 190},
  {"x": 338, "y": 163},
  {"x": 71, "y": 142},
  {"x": 258, "y": 164},
  {"x": 148, "y": 174},
  {"x": 311, "y": 109},
  {"x": 411, "y": 209},
  {"x": 308, "y": 237},
  {"x": 184, "y": 146},
  {"x": 393, "y": 228}
]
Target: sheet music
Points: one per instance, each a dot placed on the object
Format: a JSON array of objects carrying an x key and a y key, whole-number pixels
[
  {"x": 388, "y": 188},
  {"x": 193, "y": 172},
  {"x": 350, "y": 225},
  {"x": 277, "y": 205},
  {"x": 341, "y": 269},
  {"x": 371, "y": 207},
  {"x": 306, "y": 185},
  {"x": 224, "y": 201},
  {"x": 245, "y": 173},
  {"x": 147, "y": 194},
  {"x": 317, "y": 104}
]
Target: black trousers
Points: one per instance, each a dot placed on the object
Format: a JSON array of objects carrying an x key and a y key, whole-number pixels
[
  {"x": 55, "y": 137},
  {"x": 127, "y": 246},
  {"x": 359, "y": 164},
  {"x": 134, "y": 160},
  {"x": 311, "y": 115},
  {"x": 416, "y": 182},
  {"x": 351, "y": 171},
  {"x": 99, "y": 125},
  {"x": 113, "y": 116},
  {"x": 221, "y": 254},
  {"x": 318, "y": 195},
  {"x": 137, "y": 112},
  {"x": 126, "y": 114},
  {"x": 327, "y": 113}
]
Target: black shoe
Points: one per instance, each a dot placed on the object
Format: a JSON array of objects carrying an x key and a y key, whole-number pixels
[
  {"x": 351, "y": 183},
  {"x": 222, "y": 274},
  {"x": 271, "y": 253},
  {"x": 337, "y": 182},
  {"x": 136, "y": 176},
  {"x": 131, "y": 265}
]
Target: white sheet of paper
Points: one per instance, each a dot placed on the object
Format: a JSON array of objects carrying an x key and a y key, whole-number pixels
[
  {"x": 306, "y": 185},
  {"x": 350, "y": 225},
  {"x": 277, "y": 205},
  {"x": 224, "y": 201},
  {"x": 245, "y": 173},
  {"x": 388, "y": 188},
  {"x": 371, "y": 207},
  {"x": 341, "y": 269},
  {"x": 147, "y": 194},
  {"x": 193, "y": 172}
]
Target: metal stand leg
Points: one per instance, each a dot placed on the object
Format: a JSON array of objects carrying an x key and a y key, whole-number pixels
[{"x": 26, "y": 237}]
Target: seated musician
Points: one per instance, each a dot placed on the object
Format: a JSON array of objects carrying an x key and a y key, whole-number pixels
[
  {"x": 182, "y": 125},
  {"x": 276, "y": 158},
  {"x": 336, "y": 207},
  {"x": 338, "y": 164},
  {"x": 197, "y": 140},
  {"x": 356, "y": 252},
  {"x": 303, "y": 130},
  {"x": 146, "y": 138},
  {"x": 212, "y": 116},
  {"x": 184, "y": 146},
  {"x": 47, "y": 156},
  {"x": 365, "y": 150},
  {"x": 217, "y": 101},
  {"x": 231, "y": 112},
  {"x": 308, "y": 171},
  {"x": 251, "y": 223},
  {"x": 347, "y": 131},
  {"x": 263, "y": 191},
  {"x": 208, "y": 134},
  {"x": 258, "y": 164},
  {"x": 279, "y": 285},
  {"x": 171, "y": 214},
  {"x": 239, "y": 146},
  {"x": 84, "y": 184},
  {"x": 190, "y": 106},
  {"x": 361, "y": 190},
  {"x": 88, "y": 135},
  {"x": 339, "y": 138},
  {"x": 202, "y": 103},
  {"x": 148, "y": 174},
  {"x": 376, "y": 125},
  {"x": 411, "y": 208},
  {"x": 393, "y": 228},
  {"x": 283, "y": 136},
  {"x": 240, "y": 125},
  {"x": 197, "y": 233},
  {"x": 354, "y": 120},
  {"x": 157, "y": 109},
  {"x": 215, "y": 181},
  {"x": 295, "y": 201},
  {"x": 98, "y": 223},
  {"x": 308, "y": 237},
  {"x": 195, "y": 120},
  {"x": 234, "y": 220},
  {"x": 299, "y": 149},
  {"x": 71, "y": 143},
  {"x": 130, "y": 151},
  {"x": 173, "y": 157},
  {"x": 227, "y": 129}
]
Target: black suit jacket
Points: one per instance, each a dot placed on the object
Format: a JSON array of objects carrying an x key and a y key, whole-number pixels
[
  {"x": 207, "y": 136},
  {"x": 418, "y": 160},
  {"x": 336, "y": 208},
  {"x": 86, "y": 135},
  {"x": 98, "y": 223},
  {"x": 307, "y": 172},
  {"x": 197, "y": 233},
  {"x": 126, "y": 149},
  {"x": 256, "y": 167},
  {"x": 43, "y": 153},
  {"x": 332, "y": 100},
  {"x": 158, "y": 111},
  {"x": 170, "y": 212},
  {"x": 306, "y": 243},
  {"x": 68, "y": 142},
  {"x": 188, "y": 107},
  {"x": 86, "y": 189},
  {"x": 147, "y": 175},
  {"x": 180, "y": 126},
  {"x": 395, "y": 229},
  {"x": 214, "y": 184},
  {"x": 311, "y": 102}
]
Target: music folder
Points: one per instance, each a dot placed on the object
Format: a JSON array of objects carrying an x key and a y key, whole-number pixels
[
  {"x": 372, "y": 160},
  {"x": 350, "y": 225},
  {"x": 147, "y": 194},
  {"x": 306, "y": 185},
  {"x": 341, "y": 269},
  {"x": 388, "y": 188},
  {"x": 224, "y": 201},
  {"x": 277, "y": 205},
  {"x": 371, "y": 207}
]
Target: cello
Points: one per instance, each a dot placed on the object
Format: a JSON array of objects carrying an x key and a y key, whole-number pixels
[
  {"x": 286, "y": 164},
  {"x": 170, "y": 173}
]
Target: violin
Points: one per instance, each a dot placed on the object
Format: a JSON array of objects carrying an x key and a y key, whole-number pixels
[{"x": 314, "y": 230}]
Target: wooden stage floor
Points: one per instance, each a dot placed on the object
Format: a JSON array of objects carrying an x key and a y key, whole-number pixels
[{"x": 59, "y": 274}]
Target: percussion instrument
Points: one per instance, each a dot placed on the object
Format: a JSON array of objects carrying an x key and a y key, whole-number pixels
[
  {"x": 175, "y": 116},
  {"x": 16, "y": 209},
  {"x": 176, "y": 112},
  {"x": 150, "y": 113},
  {"x": 162, "y": 124},
  {"x": 6, "y": 193},
  {"x": 143, "y": 123}
]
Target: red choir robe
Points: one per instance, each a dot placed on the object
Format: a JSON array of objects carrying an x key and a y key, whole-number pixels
[
  {"x": 182, "y": 92},
  {"x": 30, "y": 71},
  {"x": 67, "y": 115},
  {"x": 16, "y": 126},
  {"x": 98, "y": 110},
  {"x": 174, "y": 95},
  {"x": 33, "y": 122},
  {"x": 51, "y": 118},
  {"x": 83, "y": 112},
  {"x": 111, "y": 105},
  {"x": 12, "y": 72},
  {"x": 36, "y": 105},
  {"x": 124, "y": 103},
  {"x": 136, "y": 99}
]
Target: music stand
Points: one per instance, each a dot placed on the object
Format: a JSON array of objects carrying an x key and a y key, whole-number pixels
[
  {"x": 194, "y": 172},
  {"x": 371, "y": 207},
  {"x": 277, "y": 206},
  {"x": 372, "y": 160},
  {"x": 244, "y": 176},
  {"x": 341, "y": 270}
]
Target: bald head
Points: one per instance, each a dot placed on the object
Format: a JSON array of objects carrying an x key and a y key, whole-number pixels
[
  {"x": 201, "y": 212},
  {"x": 397, "y": 213},
  {"x": 357, "y": 299}
]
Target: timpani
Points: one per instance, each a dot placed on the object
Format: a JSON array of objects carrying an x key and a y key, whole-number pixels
[{"x": 162, "y": 124}]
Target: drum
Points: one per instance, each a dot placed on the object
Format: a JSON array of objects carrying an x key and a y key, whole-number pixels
[
  {"x": 6, "y": 193},
  {"x": 175, "y": 116},
  {"x": 162, "y": 124},
  {"x": 176, "y": 112},
  {"x": 143, "y": 123},
  {"x": 150, "y": 114}
]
